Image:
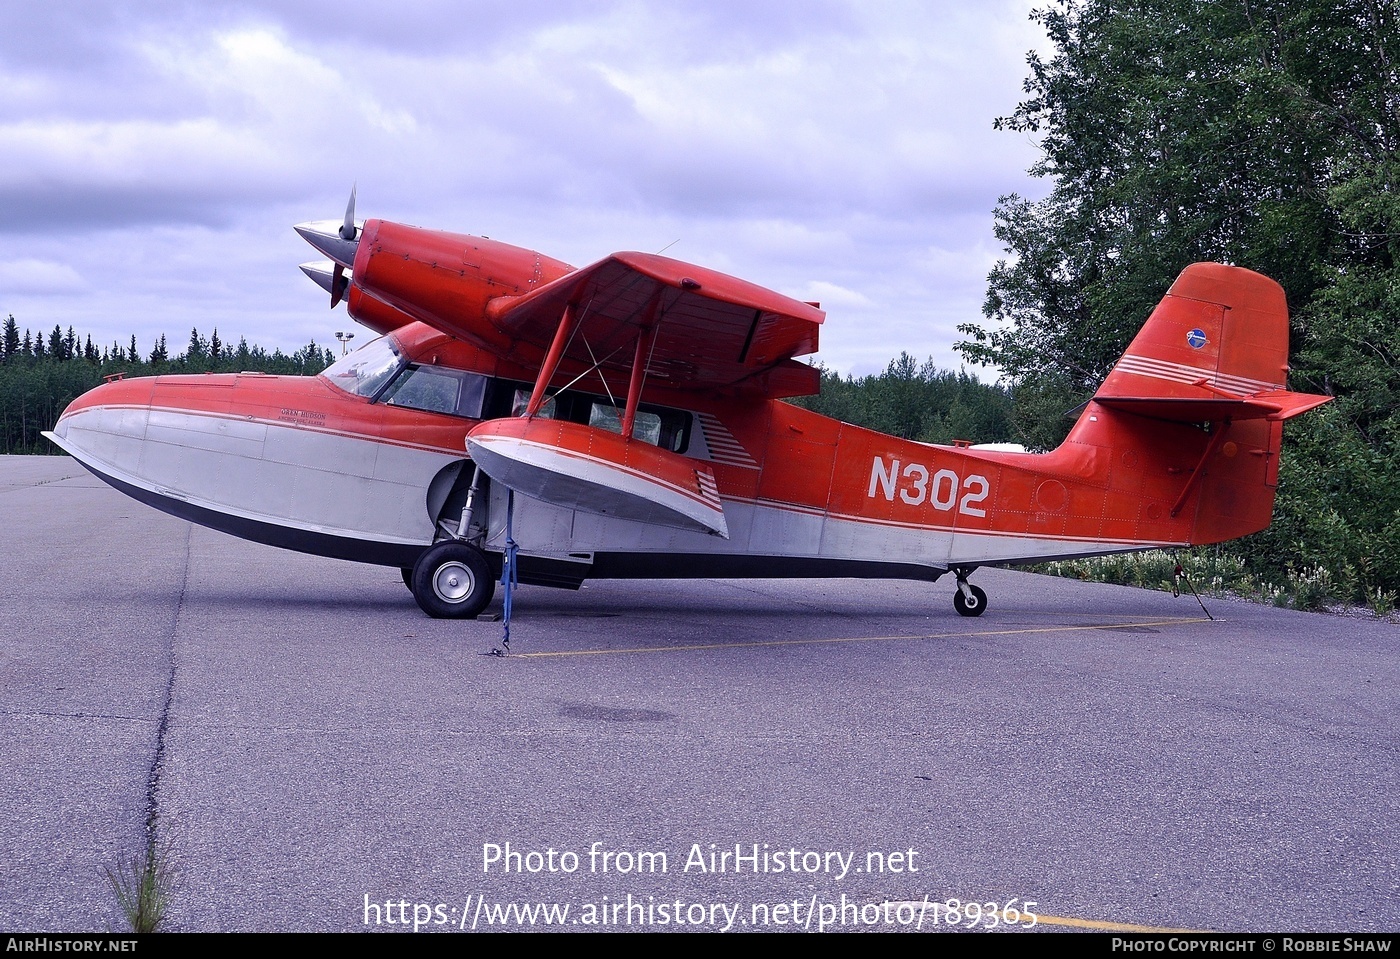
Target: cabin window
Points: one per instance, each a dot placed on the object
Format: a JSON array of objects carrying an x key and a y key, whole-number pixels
[
  {"x": 645, "y": 427},
  {"x": 521, "y": 402},
  {"x": 434, "y": 389},
  {"x": 657, "y": 425},
  {"x": 473, "y": 396},
  {"x": 365, "y": 371}
]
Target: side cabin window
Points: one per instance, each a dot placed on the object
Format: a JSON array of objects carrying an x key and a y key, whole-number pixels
[
  {"x": 646, "y": 427},
  {"x": 434, "y": 389},
  {"x": 657, "y": 425},
  {"x": 521, "y": 401}
]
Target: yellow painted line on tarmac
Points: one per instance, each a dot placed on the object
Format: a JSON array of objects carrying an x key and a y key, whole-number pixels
[
  {"x": 1098, "y": 926},
  {"x": 756, "y": 644}
]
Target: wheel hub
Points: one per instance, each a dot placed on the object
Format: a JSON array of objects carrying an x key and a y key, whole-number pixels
[{"x": 452, "y": 582}]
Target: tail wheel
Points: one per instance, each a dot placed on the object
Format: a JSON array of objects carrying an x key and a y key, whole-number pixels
[
  {"x": 452, "y": 580},
  {"x": 974, "y": 605}
]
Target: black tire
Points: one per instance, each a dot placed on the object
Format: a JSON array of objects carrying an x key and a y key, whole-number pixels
[
  {"x": 452, "y": 580},
  {"x": 976, "y": 607},
  {"x": 407, "y": 573}
]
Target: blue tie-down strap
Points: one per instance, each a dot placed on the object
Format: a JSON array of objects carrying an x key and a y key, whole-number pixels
[{"x": 508, "y": 577}]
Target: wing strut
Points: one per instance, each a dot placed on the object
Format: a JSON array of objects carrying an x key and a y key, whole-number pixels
[
  {"x": 645, "y": 337},
  {"x": 551, "y": 361}
]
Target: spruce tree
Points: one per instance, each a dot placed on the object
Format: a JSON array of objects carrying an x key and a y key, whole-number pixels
[{"x": 10, "y": 344}]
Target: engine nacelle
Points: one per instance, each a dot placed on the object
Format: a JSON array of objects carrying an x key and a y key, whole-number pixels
[{"x": 447, "y": 279}]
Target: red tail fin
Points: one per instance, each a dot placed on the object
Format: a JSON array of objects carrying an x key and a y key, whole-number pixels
[
  {"x": 1214, "y": 353},
  {"x": 1215, "y": 348}
]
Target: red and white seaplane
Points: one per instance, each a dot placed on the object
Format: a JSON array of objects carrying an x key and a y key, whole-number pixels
[{"x": 635, "y": 405}]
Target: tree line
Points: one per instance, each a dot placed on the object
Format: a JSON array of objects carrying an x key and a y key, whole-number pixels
[
  {"x": 917, "y": 401},
  {"x": 40, "y": 374}
]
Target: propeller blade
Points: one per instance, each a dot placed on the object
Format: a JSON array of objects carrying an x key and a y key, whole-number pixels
[
  {"x": 347, "y": 229},
  {"x": 337, "y": 240},
  {"x": 338, "y": 283}
]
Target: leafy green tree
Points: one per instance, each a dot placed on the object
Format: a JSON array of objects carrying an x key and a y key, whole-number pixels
[{"x": 1264, "y": 133}]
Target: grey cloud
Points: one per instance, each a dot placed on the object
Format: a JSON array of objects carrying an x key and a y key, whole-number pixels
[
  {"x": 791, "y": 143},
  {"x": 75, "y": 208}
]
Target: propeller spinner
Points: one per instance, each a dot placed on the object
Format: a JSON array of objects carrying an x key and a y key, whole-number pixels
[
  {"x": 337, "y": 240},
  {"x": 331, "y": 277}
]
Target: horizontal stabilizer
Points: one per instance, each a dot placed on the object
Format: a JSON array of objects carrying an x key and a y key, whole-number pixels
[{"x": 1273, "y": 405}]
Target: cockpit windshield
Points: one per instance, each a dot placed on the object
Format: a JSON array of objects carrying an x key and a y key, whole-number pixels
[{"x": 365, "y": 371}]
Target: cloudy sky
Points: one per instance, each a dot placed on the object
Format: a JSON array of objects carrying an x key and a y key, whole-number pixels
[{"x": 154, "y": 155}]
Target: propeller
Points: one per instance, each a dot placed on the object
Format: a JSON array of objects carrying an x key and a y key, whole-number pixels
[
  {"x": 338, "y": 240},
  {"x": 347, "y": 233},
  {"x": 330, "y": 277}
]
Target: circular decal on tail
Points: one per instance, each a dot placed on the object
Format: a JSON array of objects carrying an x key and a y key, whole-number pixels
[{"x": 1196, "y": 339}]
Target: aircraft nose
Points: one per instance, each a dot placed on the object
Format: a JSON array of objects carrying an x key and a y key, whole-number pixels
[
  {"x": 107, "y": 423},
  {"x": 118, "y": 394}
]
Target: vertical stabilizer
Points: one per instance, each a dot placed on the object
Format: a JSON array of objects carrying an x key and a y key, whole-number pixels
[
  {"x": 1198, "y": 399},
  {"x": 1215, "y": 348}
]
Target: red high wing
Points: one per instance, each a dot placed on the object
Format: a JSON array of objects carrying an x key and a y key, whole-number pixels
[{"x": 712, "y": 330}]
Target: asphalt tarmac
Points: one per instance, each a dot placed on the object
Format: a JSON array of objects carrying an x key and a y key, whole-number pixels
[{"x": 316, "y": 754}]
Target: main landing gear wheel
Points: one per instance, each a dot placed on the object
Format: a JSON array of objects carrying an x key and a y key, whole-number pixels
[
  {"x": 974, "y": 605},
  {"x": 407, "y": 573},
  {"x": 452, "y": 580}
]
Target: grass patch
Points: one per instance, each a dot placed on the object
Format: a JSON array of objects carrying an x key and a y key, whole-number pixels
[{"x": 143, "y": 886}]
